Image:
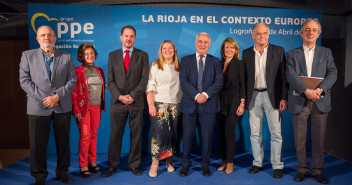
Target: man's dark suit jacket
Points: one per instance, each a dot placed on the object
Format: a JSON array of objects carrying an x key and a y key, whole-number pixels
[
  {"x": 276, "y": 82},
  {"x": 134, "y": 83},
  {"x": 212, "y": 83}
]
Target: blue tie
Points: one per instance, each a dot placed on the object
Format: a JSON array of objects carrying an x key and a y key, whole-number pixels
[
  {"x": 200, "y": 73},
  {"x": 48, "y": 61}
]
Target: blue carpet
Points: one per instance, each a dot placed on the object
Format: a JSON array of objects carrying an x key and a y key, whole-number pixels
[{"x": 337, "y": 171}]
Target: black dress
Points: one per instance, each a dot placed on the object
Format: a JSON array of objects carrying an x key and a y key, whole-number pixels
[{"x": 232, "y": 91}]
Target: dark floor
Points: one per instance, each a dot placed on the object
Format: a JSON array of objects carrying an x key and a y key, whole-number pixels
[{"x": 337, "y": 171}]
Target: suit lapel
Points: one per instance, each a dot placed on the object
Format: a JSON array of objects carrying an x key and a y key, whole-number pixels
[
  {"x": 42, "y": 63},
  {"x": 302, "y": 60},
  {"x": 316, "y": 61},
  {"x": 269, "y": 62},
  {"x": 194, "y": 68},
  {"x": 206, "y": 67},
  {"x": 251, "y": 63},
  {"x": 57, "y": 56},
  {"x": 133, "y": 61},
  {"x": 120, "y": 64}
]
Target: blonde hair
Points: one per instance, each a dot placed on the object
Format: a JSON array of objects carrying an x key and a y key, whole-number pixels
[
  {"x": 233, "y": 43},
  {"x": 161, "y": 60}
]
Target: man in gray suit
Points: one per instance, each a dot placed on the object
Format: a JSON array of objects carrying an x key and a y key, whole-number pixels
[
  {"x": 310, "y": 60},
  {"x": 48, "y": 77},
  {"x": 127, "y": 79}
]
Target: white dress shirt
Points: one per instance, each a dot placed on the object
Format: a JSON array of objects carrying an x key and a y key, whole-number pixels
[
  {"x": 203, "y": 60},
  {"x": 260, "y": 66},
  {"x": 309, "y": 56}
]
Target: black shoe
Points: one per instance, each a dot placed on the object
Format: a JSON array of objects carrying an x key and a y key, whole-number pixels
[
  {"x": 300, "y": 177},
  {"x": 277, "y": 173},
  {"x": 320, "y": 178},
  {"x": 184, "y": 171},
  {"x": 108, "y": 172},
  {"x": 206, "y": 171},
  {"x": 85, "y": 173},
  {"x": 64, "y": 178},
  {"x": 93, "y": 169},
  {"x": 39, "y": 181},
  {"x": 136, "y": 171},
  {"x": 255, "y": 169}
]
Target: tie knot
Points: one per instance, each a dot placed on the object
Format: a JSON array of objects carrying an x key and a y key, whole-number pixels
[
  {"x": 127, "y": 51},
  {"x": 201, "y": 57}
]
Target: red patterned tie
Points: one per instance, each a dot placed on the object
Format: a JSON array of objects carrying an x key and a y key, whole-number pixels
[{"x": 126, "y": 60}]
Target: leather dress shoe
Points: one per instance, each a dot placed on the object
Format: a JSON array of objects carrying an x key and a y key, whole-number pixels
[
  {"x": 277, "y": 173},
  {"x": 184, "y": 171},
  {"x": 320, "y": 178},
  {"x": 300, "y": 177},
  {"x": 39, "y": 181},
  {"x": 136, "y": 171},
  {"x": 255, "y": 169},
  {"x": 108, "y": 172},
  {"x": 206, "y": 171},
  {"x": 64, "y": 178}
]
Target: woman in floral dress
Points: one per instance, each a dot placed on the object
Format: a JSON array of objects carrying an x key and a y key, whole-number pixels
[{"x": 164, "y": 96}]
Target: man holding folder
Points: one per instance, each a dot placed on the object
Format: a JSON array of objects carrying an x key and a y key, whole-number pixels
[{"x": 315, "y": 61}]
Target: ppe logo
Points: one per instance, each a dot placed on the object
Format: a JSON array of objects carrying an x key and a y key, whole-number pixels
[{"x": 63, "y": 28}]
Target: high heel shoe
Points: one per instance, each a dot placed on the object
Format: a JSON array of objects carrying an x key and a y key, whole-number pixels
[
  {"x": 94, "y": 169},
  {"x": 84, "y": 173},
  {"x": 169, "y": 166},
  {"x": 222, "y": 166},
  {"x": 229, "y": 168},
  {"x": 151, "y": 174}
]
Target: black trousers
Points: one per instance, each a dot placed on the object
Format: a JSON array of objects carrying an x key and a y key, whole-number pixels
[
  {"x": 39, "y": 130},
  {"x": 117, "y": 128},
  {"x": 227, "y": 126}
]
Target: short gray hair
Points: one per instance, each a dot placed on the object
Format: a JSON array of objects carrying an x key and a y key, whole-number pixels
[
  {"x": 203, "y": 33},
  {"x": 45, "y": 26},
  {"x": 259, "y": 24},
  {"x": 309, "y": 20}
]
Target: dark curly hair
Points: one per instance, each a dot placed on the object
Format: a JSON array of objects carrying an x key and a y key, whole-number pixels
[{"x": 82, "y": 48}]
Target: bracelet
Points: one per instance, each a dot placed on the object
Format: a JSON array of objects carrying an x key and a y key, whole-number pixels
[
  {"x": 242, "y": 102},
  {"x": 149, "y": 103}
]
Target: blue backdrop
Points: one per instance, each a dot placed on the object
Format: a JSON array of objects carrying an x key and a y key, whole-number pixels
[{"x": 101, "y": 26}]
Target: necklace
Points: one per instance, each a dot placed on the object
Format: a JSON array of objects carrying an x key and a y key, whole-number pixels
[{"x": 89, "y": 66}]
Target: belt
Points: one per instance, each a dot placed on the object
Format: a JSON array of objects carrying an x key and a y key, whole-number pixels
[{"x": 260, "y": 90}]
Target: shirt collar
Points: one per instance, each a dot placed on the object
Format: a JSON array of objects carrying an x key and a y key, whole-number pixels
[
  {"x": 265, "y": 49},
  {"x": 131, "y": 50},
  {"x": 197, "y": 55},
  {"x": 51, "y": 56},
  {"x": 307, "y": 49}
]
